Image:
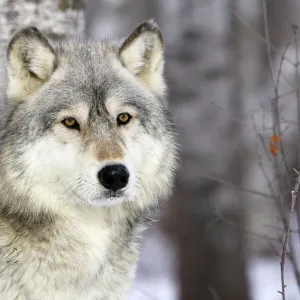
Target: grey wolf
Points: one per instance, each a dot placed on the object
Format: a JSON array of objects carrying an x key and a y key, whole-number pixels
[{"x": 88, "y": 152}]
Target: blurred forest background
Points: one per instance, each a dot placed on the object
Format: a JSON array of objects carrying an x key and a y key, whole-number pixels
[{"x": 233, "y": 72}]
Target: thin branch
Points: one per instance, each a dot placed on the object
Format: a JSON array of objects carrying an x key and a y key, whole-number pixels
[
  {"x": 268, "y": 43},
  {"x": 287, "y": 234},
  {"x": 280, "y": 228},
  {"x": 286, "y": 93},
  {"x": 244, "y": 189},
  {"x": 295, "y": 28},
  {"x": 274, "y": 101},
  {"x": 214, "y": 293},
  {"x": 277, "y": 131},
  {"x": 276, "y": 112},
  {"x": 275, "y": 49},
  {"x": 246, "y": 230},
  {"x": 282, "y": 57},
  {"x": 275, "y": 81}
]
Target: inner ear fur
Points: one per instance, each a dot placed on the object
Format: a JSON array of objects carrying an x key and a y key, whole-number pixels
[
  {"x": 142, "y": 55},
  {"x": 31, "y": 62}
]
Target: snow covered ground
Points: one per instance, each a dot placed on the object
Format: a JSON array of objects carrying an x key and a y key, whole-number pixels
[{"x": 156, "y": 278}]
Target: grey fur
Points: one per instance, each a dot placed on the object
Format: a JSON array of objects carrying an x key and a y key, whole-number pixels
[{"x": 39, "y": 245}]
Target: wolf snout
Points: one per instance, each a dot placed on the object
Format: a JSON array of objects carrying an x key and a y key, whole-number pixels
[{"x": 114, "y": 177}]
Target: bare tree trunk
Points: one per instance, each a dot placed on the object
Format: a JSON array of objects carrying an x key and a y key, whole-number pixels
[
  {"x": 211, "y": 249},
  {"x": 54, "y": 17}
]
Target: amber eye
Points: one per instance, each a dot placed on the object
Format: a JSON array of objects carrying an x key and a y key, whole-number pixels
[
  {"x": 71, "y": 123},
  {"x": 123, "y": 118}
]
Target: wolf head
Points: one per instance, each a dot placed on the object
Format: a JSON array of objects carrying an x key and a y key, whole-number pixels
[{"x": 86, "y": 122}]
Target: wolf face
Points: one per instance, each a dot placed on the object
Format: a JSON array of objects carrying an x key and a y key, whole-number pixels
[{"x": 87, "y": 122}]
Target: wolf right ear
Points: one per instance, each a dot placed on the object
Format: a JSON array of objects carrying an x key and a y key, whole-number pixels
[
  {"x": 31, "y": 62},
  {"x": 142, "y": 55}
]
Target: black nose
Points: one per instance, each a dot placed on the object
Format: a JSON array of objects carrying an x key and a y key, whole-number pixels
[{"x": 114, "y": 177}]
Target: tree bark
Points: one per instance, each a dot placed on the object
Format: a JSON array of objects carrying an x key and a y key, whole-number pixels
[{"x": 207, "y": 58}]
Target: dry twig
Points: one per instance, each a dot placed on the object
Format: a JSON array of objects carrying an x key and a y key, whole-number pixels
[{"x": 287, "y": 234}]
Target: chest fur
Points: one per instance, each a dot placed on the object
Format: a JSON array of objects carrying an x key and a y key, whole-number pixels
[{"x": 69, "y": 260}]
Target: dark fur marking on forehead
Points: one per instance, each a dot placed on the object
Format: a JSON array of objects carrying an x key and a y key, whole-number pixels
[
  {"x": 46, "y": 120},
  {"x": 99, "y": 100},
  {"x": 55, "y": 109},
  {"x": 97, "y": 110},
  {"x": 139, "y": 104},
  {"x": 99, "y": 93}
]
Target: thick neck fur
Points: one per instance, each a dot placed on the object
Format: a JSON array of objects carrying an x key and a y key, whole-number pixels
[{"x": 71, "y": 249}]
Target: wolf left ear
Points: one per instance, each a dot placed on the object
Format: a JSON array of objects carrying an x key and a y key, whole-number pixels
[
  {"x": 31, "y": 62},
  {"x": 142, "y": 54}
]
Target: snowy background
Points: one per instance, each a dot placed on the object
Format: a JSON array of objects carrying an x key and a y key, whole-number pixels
[{"x": 157, "y": 280}]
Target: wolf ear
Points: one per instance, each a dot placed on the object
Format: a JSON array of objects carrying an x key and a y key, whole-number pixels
[
  {"x": 31, "y": 62},
  {"x": 142, "y": 54}
]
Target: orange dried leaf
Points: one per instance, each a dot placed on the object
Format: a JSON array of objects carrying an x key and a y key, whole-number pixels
[
  {"x": 273, "y": 149},
  {"x": 274, "y": 139}
]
